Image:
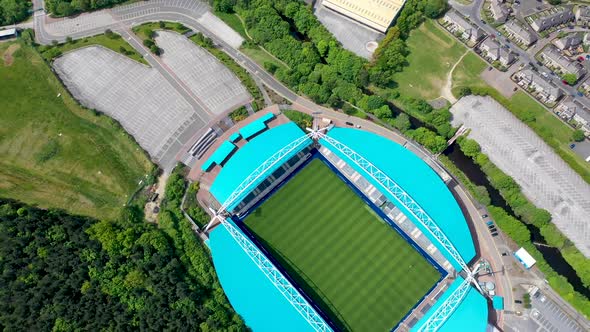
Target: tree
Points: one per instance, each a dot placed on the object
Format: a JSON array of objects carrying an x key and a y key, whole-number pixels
[
  {"x": 402, "y": 122},
  {"x": 469, "y": 147},
  {"x": 435, "y": 8},
  {"x": 12, "y": 11},
  {"x": 578, "y": 135},
  {"x": 571, "y": 79},
  {"x": 464, "y": 91}
]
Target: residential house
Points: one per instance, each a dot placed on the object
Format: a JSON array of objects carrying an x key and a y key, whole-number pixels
[
  {"x": 491, "y": 50},
  {"x": 499, "y": 11},
  {"x": 521, "y": 34},
  {"x": 459, "y": 24},
  {"x": 569, "y": 41},
  {"x": 553, "y": 58},
  {"x": 546, "y": 91},
  {"x": 582, "y": 117},
  {"x": 566, "y": 110},
  {"x": 583, "y": 16},
  {"x": 558, "y": 16}
]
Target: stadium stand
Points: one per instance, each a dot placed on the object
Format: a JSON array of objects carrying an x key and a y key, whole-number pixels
[
  {"x": 417, "y": 179},
  {"x": 220, "y": 155},
  {"x": 471, "y": 315},
  {"x": 249, "y": 290}
]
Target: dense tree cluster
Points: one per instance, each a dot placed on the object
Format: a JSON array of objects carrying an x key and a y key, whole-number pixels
[
  {"x": 64, "y": 272},
  {"x": 69, "y": 7},
  {"x": 320, "y": 68},
  {"x": 13, "y": 11}
]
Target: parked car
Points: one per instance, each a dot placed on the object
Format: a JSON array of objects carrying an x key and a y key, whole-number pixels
[
  {"x": 349, "y": 123},
  {"x": 484, "y": 216},
  {"x": 493, "y": 230},
  {"x": 490, "y": 222},
  {"x": 504, "y": 254},
  {"x": 494, "y": 234},
  {"x": 572, "y": 146},
  {"x": 587, "y": 56},
  {"x": 518, "y": 301},
  {"x": 544, "y": 74},
  {"x": 580, "y": 94},
  {"x": 490, "y": 68},
  {"x": 564, "y": 82}
]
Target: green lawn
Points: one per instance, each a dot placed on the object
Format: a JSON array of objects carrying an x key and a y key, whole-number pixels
[
  {"x": 260, "y": 57},
  {"x": 347, "y": 259},
  {"x": 141, "y": 30},
  {"x": 433, "y": 52},
  {"x": 116, "y": 43},
  {"x": 55, "y": 153}
]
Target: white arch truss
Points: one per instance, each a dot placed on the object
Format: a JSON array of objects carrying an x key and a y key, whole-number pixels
[
  {"x": 278, "y": 279},
  {"x": 401, "y": 196},
  {"x": 452, "y": 303},
  {"x": 440, "y": 316}
]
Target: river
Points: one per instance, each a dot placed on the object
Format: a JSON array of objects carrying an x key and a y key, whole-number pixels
[{"x": 552, "y": 255}]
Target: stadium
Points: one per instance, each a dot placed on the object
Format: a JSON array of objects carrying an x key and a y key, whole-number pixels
[{"x": 336, "y": 229}]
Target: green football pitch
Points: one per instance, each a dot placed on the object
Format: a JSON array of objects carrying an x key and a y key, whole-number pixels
[{"x": 361, "y": 272}]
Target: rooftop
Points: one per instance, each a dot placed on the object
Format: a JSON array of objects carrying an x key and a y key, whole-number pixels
[
  {"x": 249, "y": 290},
  {"x": 472, "y": 312},
  {"x": 377, "y": 14},
  {"x": 246, "y": 159}
]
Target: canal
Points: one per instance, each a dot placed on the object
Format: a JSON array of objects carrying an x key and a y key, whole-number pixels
[{"x": 552, "y": 255}]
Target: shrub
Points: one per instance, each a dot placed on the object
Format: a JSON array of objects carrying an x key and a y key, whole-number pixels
[{"x": 578, "y": 135}]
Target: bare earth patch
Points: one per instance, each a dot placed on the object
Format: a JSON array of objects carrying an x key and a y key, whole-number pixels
[{"x": 7, "y": 56}]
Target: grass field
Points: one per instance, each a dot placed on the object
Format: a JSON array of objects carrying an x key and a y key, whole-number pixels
[
  {"x": 433, "y": 53},
  {"x": 116, "y": 44},
  {"x": 347, "y": 259},
  {"x": 55, "y": 153}
]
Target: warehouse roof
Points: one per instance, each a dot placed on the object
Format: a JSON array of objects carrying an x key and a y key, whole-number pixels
[{"x": 377, "y": 14}]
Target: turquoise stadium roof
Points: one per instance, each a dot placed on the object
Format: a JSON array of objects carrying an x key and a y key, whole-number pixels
[
  {"x": 219, "y": 156},
  {"x": 250, "y": 292},
  {"x": 471, "y": 315},
  {"x": 250, "y": 156},
  {"x": 417, "y": 179},
  {"x": 256, "y": 126}
]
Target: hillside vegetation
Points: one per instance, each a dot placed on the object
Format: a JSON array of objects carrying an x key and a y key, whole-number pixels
[
  {"x": 69, "y": 273},
  {"x": 54, "y": 152}
]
